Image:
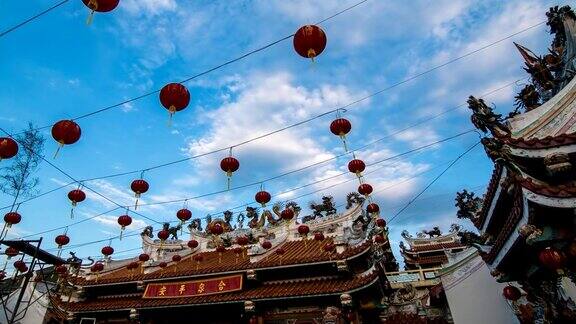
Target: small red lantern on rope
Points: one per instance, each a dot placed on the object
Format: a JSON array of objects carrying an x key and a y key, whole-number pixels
[
  {"x": 365, "y": 189},
  {"x": 192, "y": 244},
  {"x": 97, "y": 268},
  {"x": 309, "y": 41},
  {"x": 131, "y": 267},
  {"x": 124, "y": 221},
  {"x": 229, "y": 165},
  {"x": 280, "y": 252},
  {"x": 99, "y": 6},
  {"x": 162, "y": 265},
  {"x": 65, "y": 132},
  {"x": 107, "y": 251},
  {"x": 220, "y": 249},
  {"x": 61, "y": 240},
  {"x": 237, "y": 251},
  {"x": 76, "y": 196},
  {"x": 341, "y": 127},
  {"x": 373, "y": 209},
  {"x": 303, "y": 230},
  {"x": 379, "y": 239},
  {"x": 12, "y": 218},
  {"x": 216, "y": 229},
  {"x": 263, "y": 197},
  {"x": 11, "y": 252},
  {"x": 163, "y": 236},
  {"x": 174, "y": 97},
  {"x": 144, "y": 257},
  {"x": 242, "y": 241},
  {"x": 8, "y": 148},
  {"x": 267, "y": 245},
  {"x": 380, "y": 223},
  {"x": 318, "y": 236},
  {"x": 356, "y": 166},
  {"x": 198, "y": 258},
  {"x": 139, "y": 187},
  {"x": 552, "y": 259},
  {"x": 511, "y": 293},
  {"x": 20, "y": 266},
  {"x": 176, "y": 258},
  {"x": 287, "y": 214},
  {"x": 184, "y": 215},
  {"x": 329, "y": 247}
]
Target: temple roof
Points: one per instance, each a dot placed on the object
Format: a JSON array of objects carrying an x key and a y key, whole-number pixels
[
  {"x": 267, "y": 290},
  {"x": 297, "y": 252},
  {"x": 434, "y": 247}
]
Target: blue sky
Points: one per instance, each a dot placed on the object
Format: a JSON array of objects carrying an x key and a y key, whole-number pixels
[{"x": 57, "y": 68}]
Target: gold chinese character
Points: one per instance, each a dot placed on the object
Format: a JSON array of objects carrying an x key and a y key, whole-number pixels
[
  {"x": 182, "y": 289},
  {"x": 221, "y": 285},
  {"x": 162, "y": 291},
  {"x": 201, "y": 288}
]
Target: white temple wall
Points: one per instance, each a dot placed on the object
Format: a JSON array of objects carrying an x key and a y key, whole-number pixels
[{"x": 474, "y": 296}]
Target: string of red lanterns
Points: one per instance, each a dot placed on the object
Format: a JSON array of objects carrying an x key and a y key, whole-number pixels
[
  {"x": 139, "y": 186},
  {"x": 8, "y": 148},
  {"x": 229, "y": 165},
  {"x": 174, "y": 97},
  {"x": 65, "y": 132},
  {"x": 309, "y": 41}
]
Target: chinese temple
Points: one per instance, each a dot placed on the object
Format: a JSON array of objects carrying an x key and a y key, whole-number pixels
[
  {"x": 279, "y": 269},
  {"x": 430, "y": 252},
  {"x": 527, "y": 216}
]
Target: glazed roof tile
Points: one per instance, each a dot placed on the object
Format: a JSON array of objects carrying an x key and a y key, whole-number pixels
[
  {"x": 270, "y": 290},
  {"x": 434, "y": 247},
  {"x": 296, "y": 253}
]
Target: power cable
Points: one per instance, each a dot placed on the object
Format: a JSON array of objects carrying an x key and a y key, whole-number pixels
[
  {"x": 36, "y": 16},
  {"x": 433, "y": 181}
]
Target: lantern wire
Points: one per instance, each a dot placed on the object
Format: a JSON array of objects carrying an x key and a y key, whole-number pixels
[
  {"x": 36, "y": 16},
  {"x": 283, "y": 192},
  {"x": 373, "y": 94},
  {"x": 451, "y": 163},
  {"x": 72, "y": 178},
  {"x": 433, "y": 181},
  {"x": 418, "y": 123}
]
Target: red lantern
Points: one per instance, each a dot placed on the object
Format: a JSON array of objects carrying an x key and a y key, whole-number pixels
[
  {"x": 379, "y": 239},
  {"x": 62, "y": 240},
  {"x": 365, "y": 189},
  {"x": 356, "y": 166},
  {"x": 20, "y": 266},
  {"x": 263, "y": 197},
  {"x": 143, "y": 257},
  {"x": 380, "y": 222},
  {"x": 139, "y": 187},
  {"x": 341, "y": 127},
  {"x": 552, "y": 258},
  {"x": 193, "y": 244},
  {"x": 280, "y": 251},
  {"x": 61, "y": 270},
  {"x": 97, "y": 267},
  {"x": 511, "y": 293},
  {"x": 267, "y": 245},
  {"x": 183, "y": 215},
  {"x": 2, "y": 275},
  {"x": 303, "y": 230},
  {"x": 318, "y": 236},
  {"x": 373, "y": 208},
  {"x": 76, "y": 196},
  {"x": 176, "y": 258},
  {"x": 198, "y": 258},
  {"x": 162, "y": 265},
  {"x": 124, "y": 221},
  {"x": 132, "y": 265},
  {"x": 329, "y": 247},
  {"x": 309, "y": 41},
  {"x": 287, "y": 214},
  {"x": 229, "y": 165},
  {"x": 242, "y": 240},
  {"x": 11, "y": 252},
  {"x": 174, "y": 97},
  {"x": 99, "y": 6},
  {"x": 216, "y": 229},
  {"x": 12, "y": 218},
  {"x": 220, "y": 249},
  {"x": 65, "y": 132},
  {"x": 8, "y": 148},
  {"x": 107, "y": 251},
  {"x": 163, "y": 235}
]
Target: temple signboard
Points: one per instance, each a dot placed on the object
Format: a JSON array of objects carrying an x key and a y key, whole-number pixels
[{"x": 203, "y": 287}]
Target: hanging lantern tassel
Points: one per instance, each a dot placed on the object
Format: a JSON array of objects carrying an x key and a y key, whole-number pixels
[
  {"x": 343, "y": 138},
  {"x": 93, "y": 5},
  {"x": 60, "y": 145},
  {"x": 137, "y": 195},
  {"x": 121, "y": 232},
  {"x": 171, "y": 112},
  {"x": 229, "y": 175}
]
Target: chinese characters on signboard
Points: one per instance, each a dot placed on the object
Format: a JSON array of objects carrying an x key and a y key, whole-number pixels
[{"x": 194, "y": 288}]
